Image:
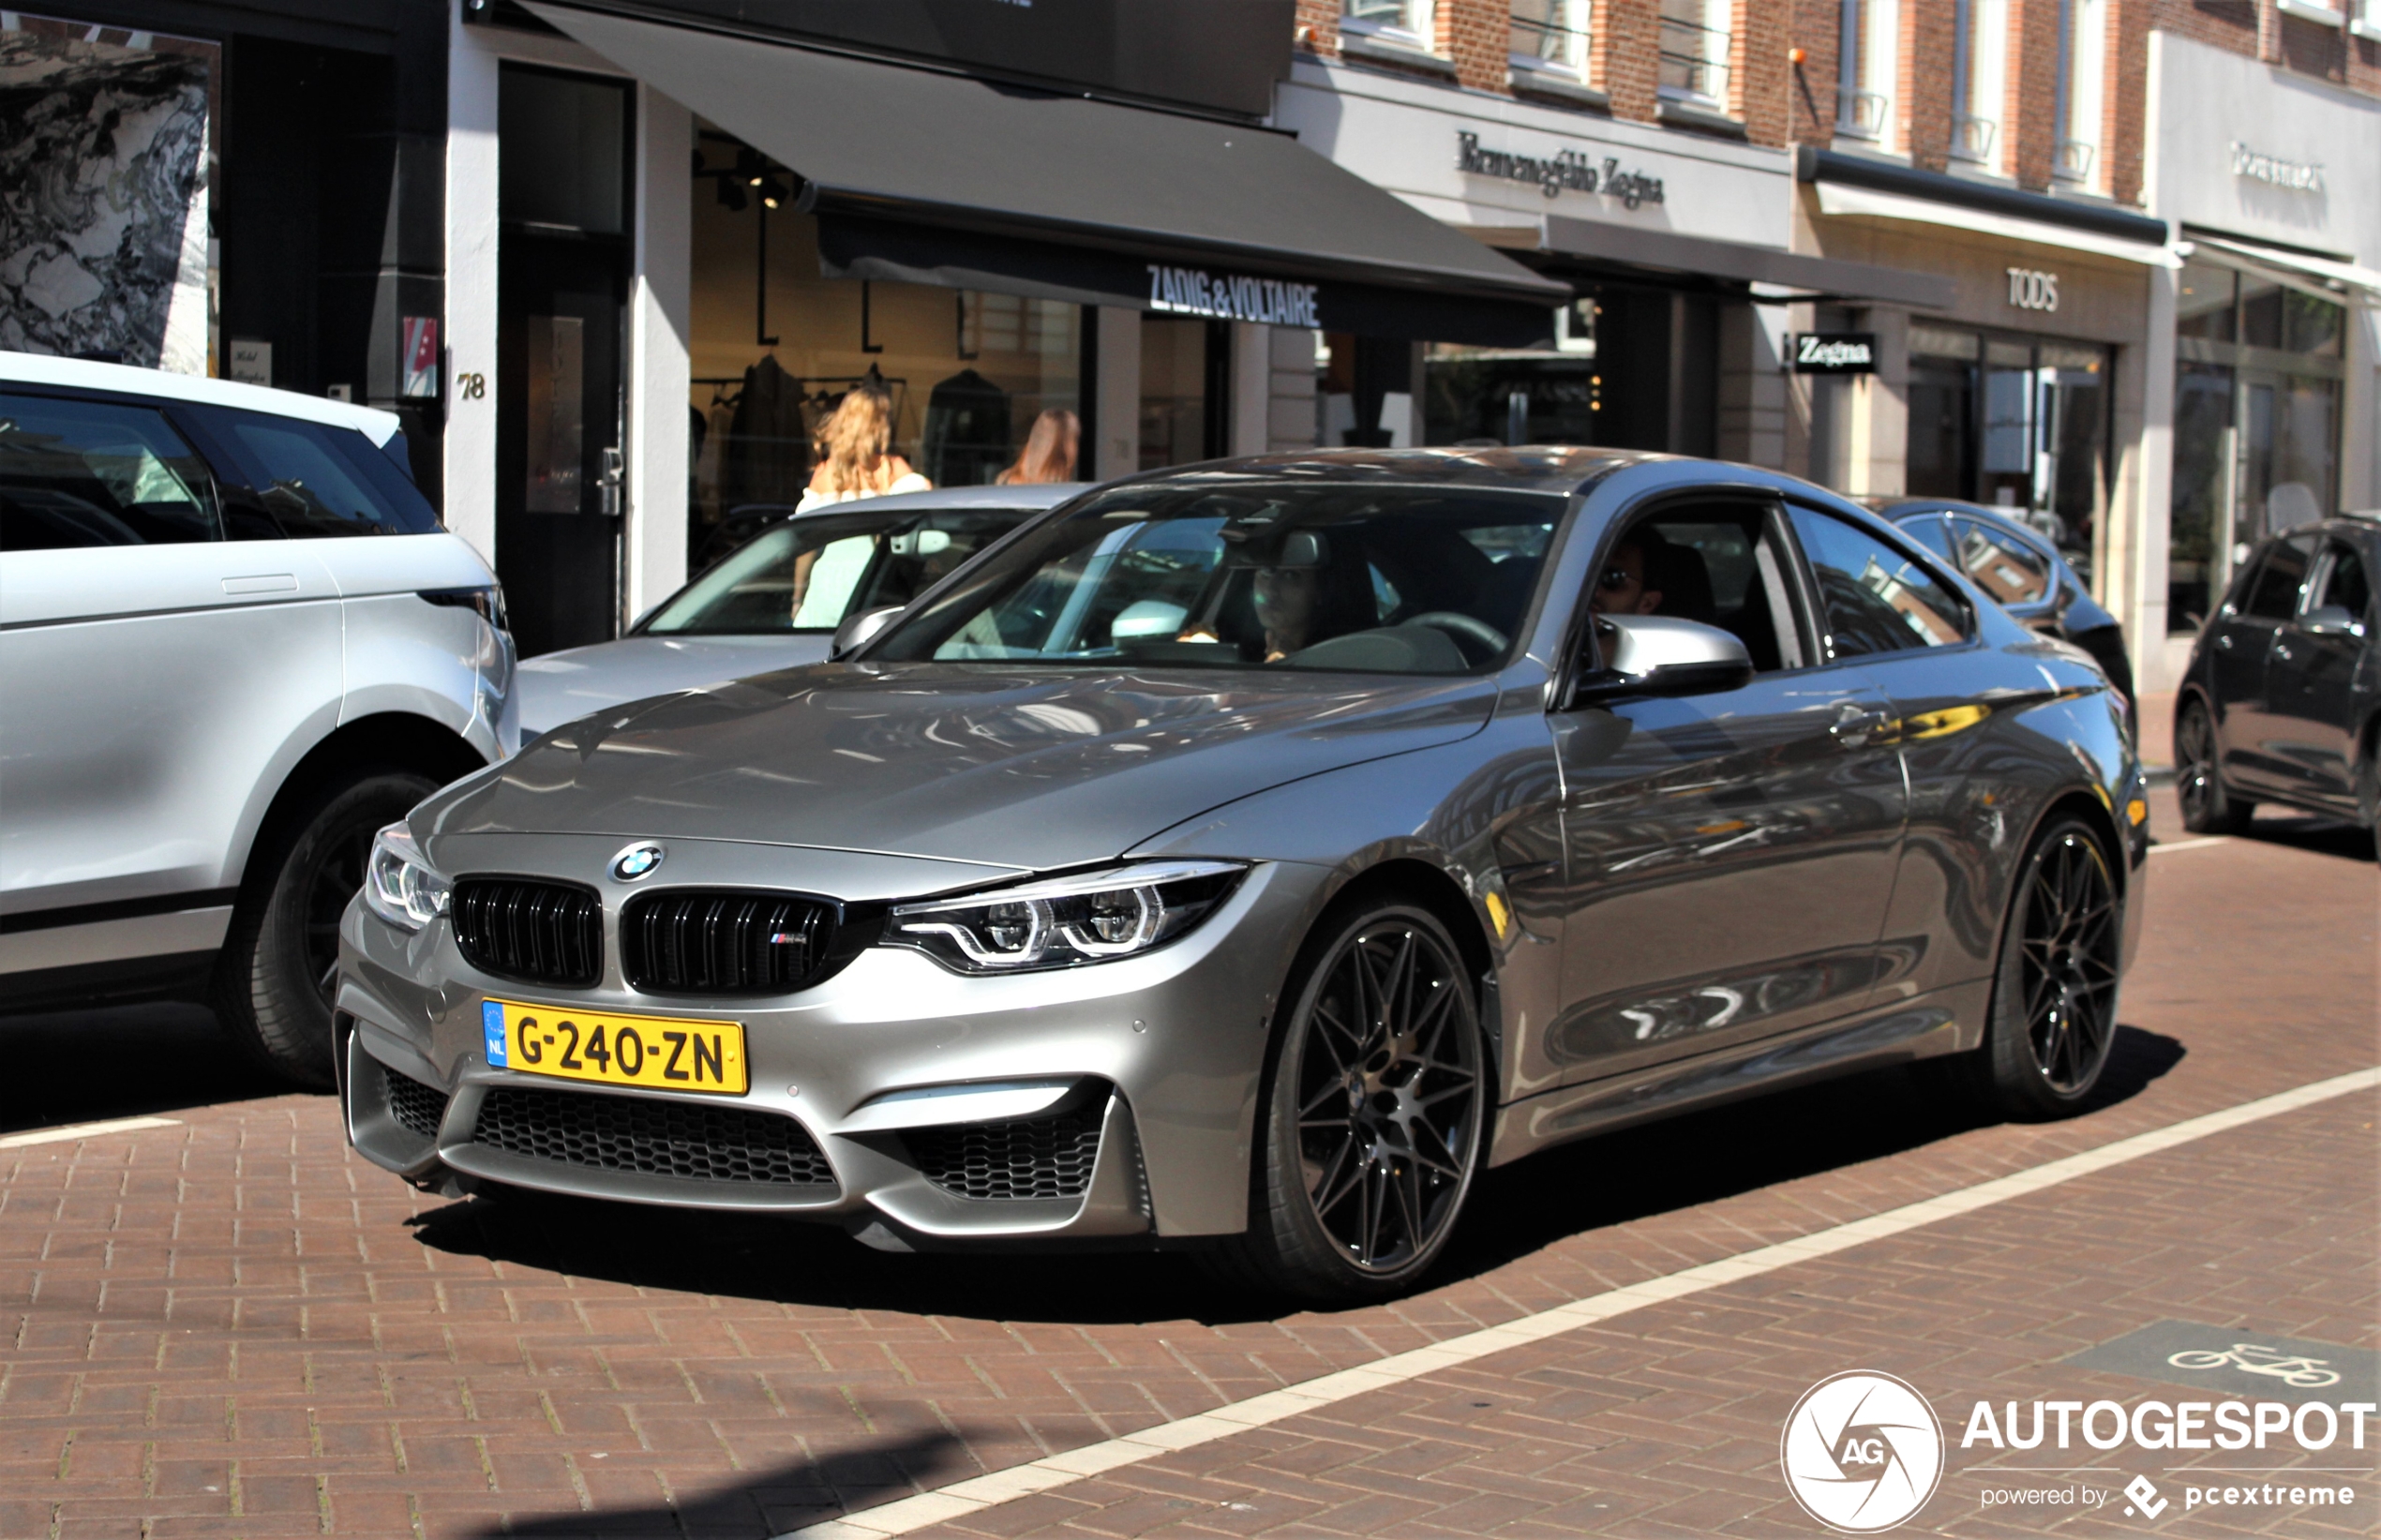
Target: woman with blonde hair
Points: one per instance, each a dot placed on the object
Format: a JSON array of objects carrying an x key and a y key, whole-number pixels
[
  {"x": 855, "y": 461},
  {"x": 855, "y": 454},
  {"x": 1049, "y": 454}
]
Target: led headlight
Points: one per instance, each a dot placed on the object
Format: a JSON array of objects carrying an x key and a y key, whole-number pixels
[
  {"x": 399, "y": 884},
  {"x": 1066, "y": 921}
]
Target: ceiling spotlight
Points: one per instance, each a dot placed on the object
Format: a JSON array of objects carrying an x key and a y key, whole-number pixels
[
  {"x": 749, "y": 168},
  {"x": 772, "y": 192}
]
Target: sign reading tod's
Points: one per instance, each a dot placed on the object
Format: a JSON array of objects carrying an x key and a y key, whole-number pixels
[
  {"x": 1551, "y": 174},
  {"x": 1231, "y": 296}
]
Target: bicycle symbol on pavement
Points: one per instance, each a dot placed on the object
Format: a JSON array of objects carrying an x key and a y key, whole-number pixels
[{"x": 2299, "y": 1370}]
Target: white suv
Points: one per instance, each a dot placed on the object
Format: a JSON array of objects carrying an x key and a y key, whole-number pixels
[{"x": 212, "y": 693}]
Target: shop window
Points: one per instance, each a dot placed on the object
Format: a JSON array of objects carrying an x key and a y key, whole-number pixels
[
  {"x": 2201, "y": 492},
  {"x": 1517, "y": 396},
  {"x": 1550, "y": 35},
  {"x": 1184, "y": 390},
  {"x": 775, "y": 346},
  {"x": 2204, "y": 302}
]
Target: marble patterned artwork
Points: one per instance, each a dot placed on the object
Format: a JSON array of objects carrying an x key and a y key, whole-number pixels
[{"x": 103, "y": 199}]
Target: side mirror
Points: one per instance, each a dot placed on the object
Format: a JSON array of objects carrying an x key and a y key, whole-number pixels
[
  {"x": 1662, "y": 656},
  {"x": 860, "y": 629},
  {"x": 2332, "y": 621}
]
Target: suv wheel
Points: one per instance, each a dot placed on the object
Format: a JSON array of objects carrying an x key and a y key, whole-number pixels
[
  {"x": 2209, "y": 806},
  {"x": 280, "y": 961},
  {"x": 1375, "y": 1114}
]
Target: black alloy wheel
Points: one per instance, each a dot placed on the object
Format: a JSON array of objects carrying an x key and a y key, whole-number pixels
[
  {"x": 275, "y": 985},
  {"x": 2053, "y": 1018},
  {"x": 2209, "y": 806},
  {"x": 1377, "y": 1109}
]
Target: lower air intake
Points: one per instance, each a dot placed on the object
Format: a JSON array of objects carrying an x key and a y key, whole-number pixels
[
  {"x": 414, "y": 1105},
  {"x": 1028, "y": 1158},
  {"x": 655, "y": 1138}
]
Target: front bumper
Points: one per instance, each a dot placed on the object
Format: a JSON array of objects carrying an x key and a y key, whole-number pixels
[{"x": 926, "y": 1108}]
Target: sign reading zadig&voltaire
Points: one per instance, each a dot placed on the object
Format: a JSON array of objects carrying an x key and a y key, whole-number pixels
[
  {"x": 1567, "y": 171},
  {"x": 1231, "y": 296}
]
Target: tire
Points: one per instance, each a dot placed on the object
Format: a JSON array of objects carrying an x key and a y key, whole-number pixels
[
  {"x": 1379, "y": 1046},
  {"x": 2053, "y": 1017},
  {"x": 2208, "y": 805},
  {"x": 273, "y": 987}
]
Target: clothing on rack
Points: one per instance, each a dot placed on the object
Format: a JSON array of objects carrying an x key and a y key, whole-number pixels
[
  {"x": 966, "y": 436},
  {"x": 766, "y": 455}
]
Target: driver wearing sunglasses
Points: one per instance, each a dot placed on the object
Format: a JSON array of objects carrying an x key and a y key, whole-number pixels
[{"x": 1619, "y": 589}]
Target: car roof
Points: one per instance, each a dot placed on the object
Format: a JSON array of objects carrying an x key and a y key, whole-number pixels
[
  {"x": 1537, "y": 468},
  {"x": 1031, "y": 496},
  {"x": 124, "y": 380},
  {"x": 1910, "y": 507}
]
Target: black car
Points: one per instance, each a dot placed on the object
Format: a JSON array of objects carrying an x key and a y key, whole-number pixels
[
  {"x": 2022, "y": 570},
  {"x": 2283, "y": 699}
]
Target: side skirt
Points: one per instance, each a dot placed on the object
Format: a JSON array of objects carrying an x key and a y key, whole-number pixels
[{"x": 1944, "y": 1021}]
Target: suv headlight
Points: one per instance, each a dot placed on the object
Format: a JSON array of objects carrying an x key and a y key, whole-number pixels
[
  {"x": 1063, "y": 922},
  {"x": 399, "y": 884}
]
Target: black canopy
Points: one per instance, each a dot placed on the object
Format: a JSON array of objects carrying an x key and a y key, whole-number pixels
[{"x": 939, "y": 176}]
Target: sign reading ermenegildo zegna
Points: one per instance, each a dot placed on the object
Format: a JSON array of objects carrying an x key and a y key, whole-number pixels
[
  {"x": 1231, "y": 296},
  {"x": 2294, "y": 175},
  {"x": 1566, "y": 170}
]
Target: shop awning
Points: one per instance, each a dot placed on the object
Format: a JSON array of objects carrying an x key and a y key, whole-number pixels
[
  {"x": 2326, "y": 272},
  {"x": 1599, "y": 242},
  {"x": 1879, "y": 189},
  {"x": 928, "y": 171}
]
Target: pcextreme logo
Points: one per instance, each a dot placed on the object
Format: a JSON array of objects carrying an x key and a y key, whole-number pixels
[{"x": 1862, "y": 1452}]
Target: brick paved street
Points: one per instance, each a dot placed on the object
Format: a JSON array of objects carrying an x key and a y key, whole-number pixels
[{"x": 231, "y": 1326}]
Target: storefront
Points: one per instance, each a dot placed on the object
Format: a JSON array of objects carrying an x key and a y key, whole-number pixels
[
  {"x": 2022, "y": 387},
  {"x": 2267, "y": 176},
  {"x": 1674, "y": 244},
  {"x": 764, "y": 222},
  {"x": 228, "y": 189}
]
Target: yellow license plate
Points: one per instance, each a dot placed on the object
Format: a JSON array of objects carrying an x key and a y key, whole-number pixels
[{"x": 664, "y": 1053}]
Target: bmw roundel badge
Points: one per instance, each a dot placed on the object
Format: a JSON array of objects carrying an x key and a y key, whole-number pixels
[{"x": 637, "y": 861}]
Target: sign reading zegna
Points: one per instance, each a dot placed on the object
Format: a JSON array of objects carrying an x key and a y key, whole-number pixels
[
  {"x": 1551, "y": 174},
  {"x": 2296, "y": 175},
  {"x": 1835, "y": 353},
  {"x": 1231, "y": 296}
]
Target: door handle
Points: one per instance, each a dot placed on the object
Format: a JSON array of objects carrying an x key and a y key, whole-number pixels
[{"x": 1855, "y": 724}]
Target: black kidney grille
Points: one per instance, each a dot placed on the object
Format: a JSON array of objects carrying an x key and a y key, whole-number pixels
[
  {"x": 414, "y": 1104},
  {"x": 688, "y": 942},
  {"x": 1029, "y": 1157},
  {"x": 657, "y": 1138},
  {"x": 547, "y": 932}
]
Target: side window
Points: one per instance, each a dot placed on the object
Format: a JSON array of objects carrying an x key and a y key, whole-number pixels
[
  {"x": 1875, "y": 599},
  {"x": 1722, "y": 565},
  {"x": 79, "y": 474},
  {"x": 1932, "y": 531},
  {"x": 2002, "y": 565},
  {"x": 2273, "y": 593},
  {"x": 318, "y": 480},
  {"x": 2344, "y": 583}
]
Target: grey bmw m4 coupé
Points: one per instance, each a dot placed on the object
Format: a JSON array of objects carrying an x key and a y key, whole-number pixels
[{"x": 1248, "y": 855}]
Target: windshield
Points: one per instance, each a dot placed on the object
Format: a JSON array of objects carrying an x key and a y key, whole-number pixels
[
  {"x": 1339, "y": 577},
  {"x": 808, "y": 573}
]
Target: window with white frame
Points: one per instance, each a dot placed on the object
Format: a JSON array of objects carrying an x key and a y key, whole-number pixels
[
  {"x": 1695, "y": 37},
  {"x": 2083, "y": 70},
  {"x": 1405, "y": 21},
  {"x": 1869, "y": 61},
  {"x": 1979, "y": 81},
  {"x": 1550, "y": 35},
  {"x": 2366, "y": 19}
]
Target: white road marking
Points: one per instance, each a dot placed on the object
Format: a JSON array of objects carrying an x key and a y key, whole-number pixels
[
  {"x": 85, "y": 1130},
  {"x": 2200, "y": 844},
  {"x": 961, "y": 1499}
]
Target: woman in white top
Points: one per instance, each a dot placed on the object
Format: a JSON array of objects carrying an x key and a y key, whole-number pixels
[{"x": 855, "y": 461}]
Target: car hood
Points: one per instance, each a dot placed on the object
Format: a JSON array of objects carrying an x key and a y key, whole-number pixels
[
  {"x": 1013, "y": 766},
  {"x": 557, "y": 687}
]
